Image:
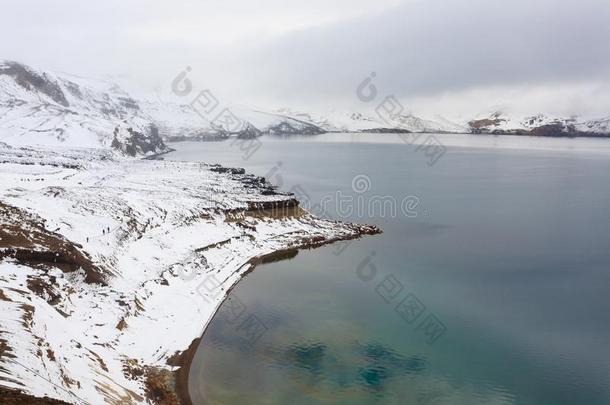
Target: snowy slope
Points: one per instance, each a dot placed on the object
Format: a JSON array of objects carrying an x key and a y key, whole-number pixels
[
  {"x": 164, "y": 241},
  {"x": 41, "y": 108},
  {"x": 498, "y": 122},
  {"x": 353, "y": 121},
  {"x": 416, "y": 124},
  {"x": 277, "y": 123},
  {"x": 176, "y": 120}
]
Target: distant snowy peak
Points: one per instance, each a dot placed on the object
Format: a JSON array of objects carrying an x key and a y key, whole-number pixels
[
  {"x": 354, "y": 121},
  {"x": 278, "y": 123},
  {"x": 599, "y": 126},
  {"x": 338, "y": 121},
  {"x": 538, "y": 125},
  {"x": 323, "y": 123},
  {"x": 417, "y": 124}
]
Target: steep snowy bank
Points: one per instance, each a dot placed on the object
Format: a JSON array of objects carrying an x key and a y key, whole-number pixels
[{"x": 111, "y": 266}]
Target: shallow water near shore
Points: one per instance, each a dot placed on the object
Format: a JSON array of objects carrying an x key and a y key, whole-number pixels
[{"x": 489, "y": 286}]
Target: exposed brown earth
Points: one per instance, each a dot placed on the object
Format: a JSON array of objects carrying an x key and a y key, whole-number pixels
[
  {"x": 14, "y": 397},
  {"x": 161, "y": 387},
  {"x": 184, "y": 361},
  {"x": 24, "y": 238}
]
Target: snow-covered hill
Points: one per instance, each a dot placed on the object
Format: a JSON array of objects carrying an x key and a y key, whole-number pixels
[
  {"x": 42, "y": 108},
  {"x": 110, "y": 266},
  {"x": 277, "y": 123},
  {"x": 58, "y": 109},
  {"x": 499, "y": 122}
]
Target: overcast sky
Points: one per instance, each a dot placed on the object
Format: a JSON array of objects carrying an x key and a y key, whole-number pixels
[{"x": 453, "y": 57}]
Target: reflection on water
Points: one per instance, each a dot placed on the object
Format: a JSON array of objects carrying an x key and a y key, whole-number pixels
[
  {"x": 313, "y": 371},
  {"x": 337, "y": 369},
  {"x": 370, "y": 366}
]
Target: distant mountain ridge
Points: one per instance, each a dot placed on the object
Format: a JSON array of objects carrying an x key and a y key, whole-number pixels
[
  {"x": 39, "y": 107},
  {"x": 497, "y": 122},
  {"x": 539, "y": 125}
]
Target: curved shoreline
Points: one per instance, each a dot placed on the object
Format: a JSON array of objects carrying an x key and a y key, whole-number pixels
[
  {"x": 185, "y": 359},
  {"x": 131, "y": 338}
]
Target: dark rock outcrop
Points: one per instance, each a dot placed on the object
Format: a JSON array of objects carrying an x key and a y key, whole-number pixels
[
  {"x": 136, "y": 143},
  {"x": 30, "y": 80},
  {"x": 294, "y": 128},
  {"x": 386, "y": 131}
]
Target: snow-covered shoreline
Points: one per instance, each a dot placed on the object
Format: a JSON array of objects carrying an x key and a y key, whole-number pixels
[{"x": 167, "y": 240}]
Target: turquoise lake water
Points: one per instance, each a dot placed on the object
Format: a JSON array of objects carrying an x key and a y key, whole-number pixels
[{"x": 488, "y": 286}]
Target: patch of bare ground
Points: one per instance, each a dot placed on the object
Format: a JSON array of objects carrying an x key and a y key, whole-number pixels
[
  {"x": 160, "y": 384},
  {"x": 486, "y": 122},
  {"x": 15, "y": 397},
  {"x": 277, "y": 210},
  {"x": 24, "y": 238},
  {"x": 132, "y": 369},
  {"x": 5, "y": 350},
  {"x": 277, "y": 256},
  {"x": 183, "y": 360},
  {"x": 3, "y": 296},
  {"x": 161, "y": 387},
  {"x": 45, "y": 287}
]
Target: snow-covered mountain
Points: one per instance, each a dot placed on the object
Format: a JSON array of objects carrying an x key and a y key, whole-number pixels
[
  {"x": 499, "y": 122},
  {"x": 277, "y": 123},
  {"x": 58, "y": 109},
  {"x": 42, "y": 108},
  {"x": 491, "y": 123}
]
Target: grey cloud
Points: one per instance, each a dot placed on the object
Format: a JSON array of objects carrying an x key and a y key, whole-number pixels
[
  {"x": 418, "y": 48},
  {"x": 438, "y": 45}
]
